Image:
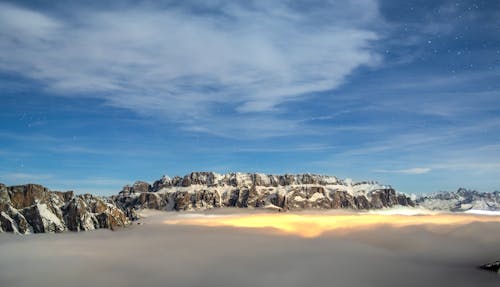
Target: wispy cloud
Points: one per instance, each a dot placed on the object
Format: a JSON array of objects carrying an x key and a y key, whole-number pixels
[
  {"x": 100, "y": 185},
  {"x": 402, "y": 142},
  {"x": 27, "y": 137},
  {"x": 93, "y": 181},
  {"x": 95, "y": 185},
  {"x": 184, "y": 65},
  {"x": 24, "y": 177},
  {"x": 415, "y": 170},
  {"x": 11, "y": 153},
  {"x": 298, "y": 148}
]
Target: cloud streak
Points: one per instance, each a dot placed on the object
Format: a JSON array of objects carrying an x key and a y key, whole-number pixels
[
  {"x": 185, "y": 66},
  {"x": 415, "y": 170},
  {"x": 19, "y": 177}
]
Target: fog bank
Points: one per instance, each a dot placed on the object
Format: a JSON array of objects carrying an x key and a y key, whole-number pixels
[{"x": 157, "y": 254}]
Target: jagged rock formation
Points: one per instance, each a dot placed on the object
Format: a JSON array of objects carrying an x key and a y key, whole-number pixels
[
  {"x": 495, "y": 266},
  {"x": 33, "y": 208},
  {"x": 203, "y": 190},
  {"x": 461, "y": 200}
]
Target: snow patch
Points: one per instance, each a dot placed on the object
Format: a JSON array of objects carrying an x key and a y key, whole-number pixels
[
  {"x": 483, "y": 212},
  {"x": 404, "y": 211},
  {"x": 12, "y": 222},
  {"x": 48, "y": 216},
  {"x": 316, "y": 196}
]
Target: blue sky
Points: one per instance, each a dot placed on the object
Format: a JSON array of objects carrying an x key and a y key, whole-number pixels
[{"x": 97, "y": 96}]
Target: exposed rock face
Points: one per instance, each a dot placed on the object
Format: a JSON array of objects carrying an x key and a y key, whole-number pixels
[
  {"x": 77, "y": 216},
  {"x": 211, "y": 179},
  {"x": 495, "y": 266},
  {"x": 203, "y": 190},
  {"x": 461, "y": 200},
  {"x": 33, "y": 208},
  {"x": 42, "y": 219},
  {"x": 138, "y": 186}
]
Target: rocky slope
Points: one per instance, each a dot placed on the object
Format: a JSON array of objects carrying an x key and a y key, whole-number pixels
[
  {"x": 461, "y": 200},
  {"x": 202, "y": 190},
  {"x": 33, "y": 208}
]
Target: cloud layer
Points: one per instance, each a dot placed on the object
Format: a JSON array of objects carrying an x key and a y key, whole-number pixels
[{"x": 155, "y": 254}]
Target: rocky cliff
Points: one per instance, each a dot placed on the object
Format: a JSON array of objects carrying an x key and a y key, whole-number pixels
[
  {"x": 33, "y": 208},
  {"x": 203, "y": 190}
]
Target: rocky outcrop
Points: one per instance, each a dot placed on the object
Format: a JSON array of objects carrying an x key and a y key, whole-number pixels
[
  {"x": 138, "y": 186},
  {"x": 495, "y": 266},
  {"x": 42, "y": 219},
  {"x": 204, "y": 190},
  {"x": 33, "y": 208}
]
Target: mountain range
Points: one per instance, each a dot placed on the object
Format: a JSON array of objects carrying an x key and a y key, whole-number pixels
[{"x": 32, "y": 208}]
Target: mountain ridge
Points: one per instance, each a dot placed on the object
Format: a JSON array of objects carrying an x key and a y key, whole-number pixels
[
  {"x": 201, "y": 190},
  {"x": 461, "y": 200},
  {"x": 32, "y": 208}
]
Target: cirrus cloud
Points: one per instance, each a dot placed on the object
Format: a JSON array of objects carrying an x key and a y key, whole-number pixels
[
  {"x": 415, "y": 170},
  {"x": 246, "y": 58}
]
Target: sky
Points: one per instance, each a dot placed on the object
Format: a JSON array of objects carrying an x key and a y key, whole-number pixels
[{"x": 97, "y": 95}]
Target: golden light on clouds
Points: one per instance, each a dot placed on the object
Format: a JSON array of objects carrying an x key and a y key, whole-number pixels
[{"x": 314, "y": 225}]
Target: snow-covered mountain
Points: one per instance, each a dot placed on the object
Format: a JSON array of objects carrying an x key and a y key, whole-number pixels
[
  {"x": 461, "y": 200},
  {"x": 33, "y": 208},
  {"x": 202, "y": 190}
]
